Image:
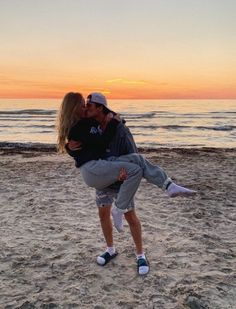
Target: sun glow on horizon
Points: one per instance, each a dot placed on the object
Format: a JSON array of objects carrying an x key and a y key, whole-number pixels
[{"x": 126, "y": 50}]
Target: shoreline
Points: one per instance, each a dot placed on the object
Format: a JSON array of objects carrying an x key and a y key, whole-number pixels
[{"x": 15, "y": 147}]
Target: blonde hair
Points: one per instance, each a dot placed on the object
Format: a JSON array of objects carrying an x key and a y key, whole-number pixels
[{"x": 68, "y": 115}]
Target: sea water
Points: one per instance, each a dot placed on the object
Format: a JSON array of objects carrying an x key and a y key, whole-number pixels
[{"x": 153, "y": 123}]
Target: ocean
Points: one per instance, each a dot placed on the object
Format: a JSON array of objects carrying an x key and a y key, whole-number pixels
[{"x": 153, "y": 123}]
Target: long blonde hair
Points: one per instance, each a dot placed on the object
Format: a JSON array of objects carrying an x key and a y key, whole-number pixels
[{"x": 68, "y": 115}]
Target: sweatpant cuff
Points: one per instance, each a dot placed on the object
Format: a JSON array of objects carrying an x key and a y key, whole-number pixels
[
  {"x": 121, "y": 210},
  {"x": 166, "y": 183}
]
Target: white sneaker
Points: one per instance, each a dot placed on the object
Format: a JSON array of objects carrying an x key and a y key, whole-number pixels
[{"x": 117, "y": 218}]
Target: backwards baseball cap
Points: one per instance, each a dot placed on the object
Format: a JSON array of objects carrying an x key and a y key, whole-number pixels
[{"x": 99, "y": 98}]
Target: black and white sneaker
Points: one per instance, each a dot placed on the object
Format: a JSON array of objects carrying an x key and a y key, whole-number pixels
[
  {"x": 142, "y": 266},
  {"x": 103, "y": 259}
]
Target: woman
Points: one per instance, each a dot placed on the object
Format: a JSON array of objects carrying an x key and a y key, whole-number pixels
[{"x": 99, "y": 172}]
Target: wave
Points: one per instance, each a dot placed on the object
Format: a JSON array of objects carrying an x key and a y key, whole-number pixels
[
  {"x": 178, "y": 127},
  {"x": 140, "y": 115},
  {"x": 51, "y": 147},
  {"x": 42, "y": 132},
  {"x": 218, "y": 128},
  {"x": 28, "y": 126},
  {"x": 179, "y": 116},
  {"x": 171, "y": 127},
  {"x": 28, "y": 146},
  {"x": 28, "y": 119},
  {"x": 24, "y": 114},
  {"x": 147, "y": 126},
  {"x": 223, "y": 112},
  {"x": 33, "y": 112},
  {"x": 29, "y": 112}
]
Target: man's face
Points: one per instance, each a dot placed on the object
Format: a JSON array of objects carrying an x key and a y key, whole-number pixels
[{"x": 92, "y": 110}]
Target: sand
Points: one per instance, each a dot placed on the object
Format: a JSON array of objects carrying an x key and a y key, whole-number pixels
[{"x": 50, "y": 236}]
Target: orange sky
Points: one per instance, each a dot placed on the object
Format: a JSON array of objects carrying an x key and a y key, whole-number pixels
[{"x": 150, "y": 49}]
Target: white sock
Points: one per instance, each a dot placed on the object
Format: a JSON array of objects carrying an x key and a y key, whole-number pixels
[
  {"x": 141, "y": 256},
  {"x": 117, "y": 218},
  {"x": 111, "y": 250},
  {"x": 174, "y": 190}
]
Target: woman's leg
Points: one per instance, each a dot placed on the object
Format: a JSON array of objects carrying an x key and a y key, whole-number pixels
[
  {"x": 152, "y": 173},
  {"x": 155, "y": 175},
  {"x": 101, "y": 174}
]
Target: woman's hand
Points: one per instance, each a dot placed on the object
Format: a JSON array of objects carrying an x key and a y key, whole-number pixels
[
  {"x": 117, "y": 117},
  {"x": 107, "y": 119},
  {"x": 74, "y": 145},
  {"x": 122, "y": 175},
  {"x": 109, "y": 116}
]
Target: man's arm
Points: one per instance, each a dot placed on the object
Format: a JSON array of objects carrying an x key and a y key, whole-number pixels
[
  {"x": 129, "y": 143},
  {"x": 123, "y": 142}
]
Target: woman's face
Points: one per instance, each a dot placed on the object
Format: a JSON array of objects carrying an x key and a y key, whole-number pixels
[{"x": 81, "y": 110}]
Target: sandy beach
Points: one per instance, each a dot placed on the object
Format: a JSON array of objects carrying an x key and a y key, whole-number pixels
[{"x": 50, "y": 236}]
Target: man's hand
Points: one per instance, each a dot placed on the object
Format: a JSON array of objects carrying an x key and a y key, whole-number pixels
[
  {"x": 122, "y": 175},
  {"x": 74, "y": 145}
]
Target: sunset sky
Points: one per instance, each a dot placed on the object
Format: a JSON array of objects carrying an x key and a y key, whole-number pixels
[{"x": 125, "y": 49}]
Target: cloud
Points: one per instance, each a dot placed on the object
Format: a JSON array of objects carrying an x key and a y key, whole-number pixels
[
  {"x": 96, "y": 89},
  {"x": 126, "y": 81}
]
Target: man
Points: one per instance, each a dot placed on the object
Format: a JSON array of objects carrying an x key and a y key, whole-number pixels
[
  {"x": 121, "y": 144},
  {"x": 97, "y": 109}
]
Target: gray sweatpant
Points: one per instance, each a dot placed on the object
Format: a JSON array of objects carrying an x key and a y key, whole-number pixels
[{"x": 100, "y": 174}]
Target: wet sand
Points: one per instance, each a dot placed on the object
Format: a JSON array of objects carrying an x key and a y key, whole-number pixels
[{"x": 50, "y": 236}]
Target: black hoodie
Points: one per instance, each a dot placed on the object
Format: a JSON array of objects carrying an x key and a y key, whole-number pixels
[{"x": 94, "y": 143}]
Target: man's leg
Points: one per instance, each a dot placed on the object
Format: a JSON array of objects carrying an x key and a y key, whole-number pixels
[
  {"x": 136, "y": 232},
  {"x": 135, "y": 229},
  {"x": 106, "y": 224},
  {"x": 104, "y": 202}
]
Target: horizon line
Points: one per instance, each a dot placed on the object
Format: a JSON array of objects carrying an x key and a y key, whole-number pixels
[{"x": 122, "y": 98}]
